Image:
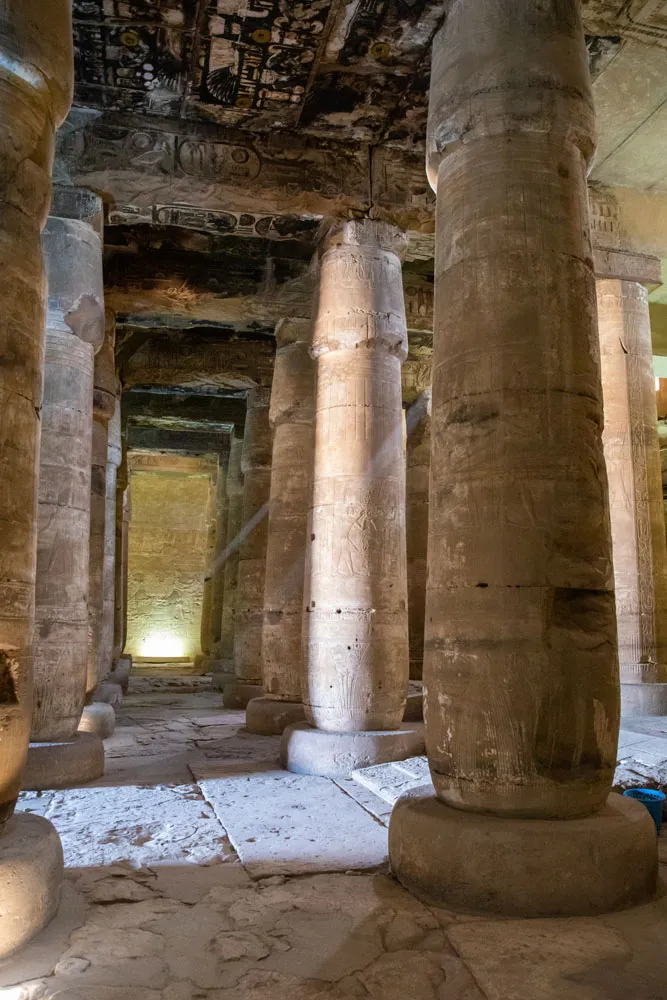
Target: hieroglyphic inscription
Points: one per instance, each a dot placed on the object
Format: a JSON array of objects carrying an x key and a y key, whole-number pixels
[{"x": 645, "y": 20}]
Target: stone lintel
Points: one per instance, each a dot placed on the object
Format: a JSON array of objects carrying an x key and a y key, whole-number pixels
[
  {"x": 192, "y": 442},
  {"x": 182, "y": 408},
  {"x": 627, "y": 266}
]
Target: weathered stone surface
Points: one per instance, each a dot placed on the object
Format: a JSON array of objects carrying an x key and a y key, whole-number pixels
[
  {"x": 632, "y": 455},
  {"x": 355, "y": 629},
  {"x": 520, "y": 571},
  {"x": 291, "y": 417},
  {"x": 35, "y": 93},
  {"x": 167, "y": 556},
  {"x": 72, "y": 761},
  {"x": 418, "y": 466},
  {"x": 114, "y": 458},
  {"x": 256, "y": 468},
  {"x": 284, "y": 827},
  {"x": 231, "y": 560}
]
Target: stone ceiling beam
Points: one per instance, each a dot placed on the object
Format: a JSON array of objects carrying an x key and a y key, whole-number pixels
[
  {"x": 190, "y": 360},
  {"x": 181, "y": 408},
  {"x": 158, "y": 439}
]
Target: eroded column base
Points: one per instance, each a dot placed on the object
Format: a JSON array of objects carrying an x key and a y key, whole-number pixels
[
  {"x": 306, "y": 750},
  {"x": 31, "y": 874},
  {"x": 523, "y": 868},
  {"x": 270, "y": 717},
  {"x": 238, "y": 694},
  {"x": 222, "y": 674},
  {"x": 643, "y": 699},
  {"x": 109, "y": 692},
  {"x": 120, "y": 671},
  {"x": 98, "y": 718},
  {"x": 65, "y": 763}
]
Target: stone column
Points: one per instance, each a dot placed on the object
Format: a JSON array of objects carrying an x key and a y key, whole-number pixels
[
  {"x": 356, "y": 624},
  {"x": 218, "y": 565},
  {"x": 223, "y": 670},
  {"x": 35, "y": 94},
  {"x": 520, "y": 667},
  {"x": 122, "y": 662},
  {"x": 203, "y": 659},
  {"x": 107, "y": 691},
  {"x": 72, "y": 249},
  {"x": 99, "y": 717},
  {"x": 249, "y": 616},
  {"x": 418, "y": 465},
  {"x": 632, "y": 454},
  {"x": 291, "y": 417}
]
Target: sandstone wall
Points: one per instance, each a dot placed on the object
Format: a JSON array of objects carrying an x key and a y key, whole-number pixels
[{"x": 166, "y": 562}]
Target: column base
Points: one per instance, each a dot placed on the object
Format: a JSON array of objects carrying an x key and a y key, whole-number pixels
[
  {"x": 238, "y": 694},
  {"x": 31, "y": 874},
  {"x": 98, "y": 718},
  {"x": 120, "y": 672},
  {"x": 110, "y": 693},
  {"x": 222, "y": 674},
  {"x": 270, "y": 717},
  {"x": 202, "y": 664},
  {"x": 306, "y": 750},
  {"x": 414, "y": 707},
  {"x": 64, "y": 764},
  {"x": 643, "y": 699},
  {"x": 523, "y": 868}
]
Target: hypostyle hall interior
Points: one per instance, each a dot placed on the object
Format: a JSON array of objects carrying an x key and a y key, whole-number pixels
[{"x": 333, "y": 561}]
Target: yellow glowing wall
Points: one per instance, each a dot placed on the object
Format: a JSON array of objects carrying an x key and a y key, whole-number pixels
[{"x": 166, "y": 562}]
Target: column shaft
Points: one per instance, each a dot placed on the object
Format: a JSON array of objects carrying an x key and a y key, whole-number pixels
[
  {"x": 520, "y": 666},
  {"x": 72, "y": 250},
  {"x": 104, "y": 402},
  {"x": 632, "y": 455},
  {"x": 218, "y": 567},
  {"x": 231, "y": 564},
  {"x": 418, "y": 465},
  {"x": 256, "y": 468},
  {"x": 35, "y": 94},
  {"x": 356, "y": 623},
  {"x": 114, "y": 456},
  {"x": 206, "y": 629}
]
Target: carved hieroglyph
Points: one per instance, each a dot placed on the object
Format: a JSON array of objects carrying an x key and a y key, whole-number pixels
[
  {"x": 72, "y": 250},
  {"x": 231, "y": 565},
  {"x": 355, "y": 626},
  {"x": 291, "y": 416},
  {"x": 521, "y": 670},
  {"x": 632, "y": 454},
  {"x": 256, "y": 468},
  {"x": 418, "y": 465},
  {"x": 35, "y": 93}
]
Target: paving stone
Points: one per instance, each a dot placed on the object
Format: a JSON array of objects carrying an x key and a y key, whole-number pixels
[{"x": 282, "y": 823}]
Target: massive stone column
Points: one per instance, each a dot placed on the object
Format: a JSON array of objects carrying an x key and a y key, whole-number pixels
[
  {"x": 122, "y": 662},
  {"x": 223, "y": 670},
  {"x": 291, "y": 417},
  {"x": 72, "y": 249},
  {"x": 632, "y": 454},
  {"x": 35, "y": 94},
  {"x": 418, "y": 464},
  {"x": 218, "y": 565},
  {"x": 202, "y": 660},
  {"x": 520, "y": 667},
  {"x": 249, "y": 616},
  {"x": 114, "y": 458},
  {"x": 356, "y": 625},
  {"x": 99, "y": 717}
]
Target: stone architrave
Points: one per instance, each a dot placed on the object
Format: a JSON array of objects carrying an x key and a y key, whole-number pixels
[
  {"x": 522, "y": 696},
  {"x": 35, "y": 95},
  {"x": 355, "y": 626},
  {"x": 418, "y": 465},
  {"x": 249, "y": 615},
  {"x": 632, "y": 454},
  {"x": 291, "y": 417},
  {"x": 223, "y": 670},
  {"x": 99, "y": 717},
  {"x": 72, "y": 249}
]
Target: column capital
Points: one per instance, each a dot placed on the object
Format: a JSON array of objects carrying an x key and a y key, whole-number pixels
[
  {"x": 363, "y": 233},
  {"x": 293, "y": 330},
  {"x": 482, "y": 84}
]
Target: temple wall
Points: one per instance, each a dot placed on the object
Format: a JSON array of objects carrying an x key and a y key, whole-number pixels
[{"x": 166, "y": 562}]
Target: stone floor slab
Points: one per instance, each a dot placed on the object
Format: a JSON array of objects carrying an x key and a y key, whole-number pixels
[{"x": 285, "y": 824}]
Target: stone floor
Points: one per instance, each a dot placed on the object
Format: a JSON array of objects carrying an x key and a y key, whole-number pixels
[{"x": 198, "y": 870}]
